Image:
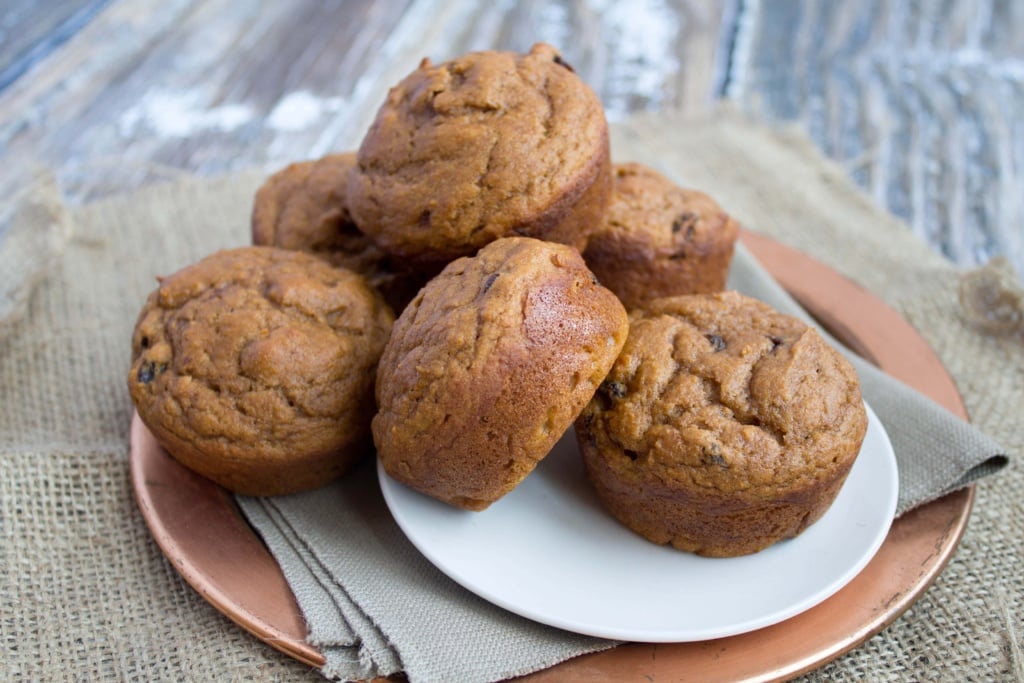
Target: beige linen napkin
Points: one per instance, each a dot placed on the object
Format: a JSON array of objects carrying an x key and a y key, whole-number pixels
[{"x": 344, "y": 556}]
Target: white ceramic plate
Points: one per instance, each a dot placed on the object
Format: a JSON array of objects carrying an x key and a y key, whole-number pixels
[{"x": 549, "y": 552}]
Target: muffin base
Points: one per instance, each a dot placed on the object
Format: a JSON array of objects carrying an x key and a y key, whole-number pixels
[{"x": 703, "y": 525}]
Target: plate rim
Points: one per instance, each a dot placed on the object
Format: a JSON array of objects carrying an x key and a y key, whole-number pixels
[
  {"x": 752, "y": 656},
  {"x": 394, "y": 492}
]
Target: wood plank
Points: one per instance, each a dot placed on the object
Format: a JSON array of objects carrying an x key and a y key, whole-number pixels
[
  {"x": 30, "y": 30},
  {"x": 921, "y": 101},
  {"x": 212, "y": 85}
]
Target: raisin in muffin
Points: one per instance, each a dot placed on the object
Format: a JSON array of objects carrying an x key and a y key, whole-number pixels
[
  {"x": 659, "y": 239},
  {"x": 489, "y": 145},
  {"x": 303, "y": 207},
  {"x": 255, "y": 368},
  {"x": 723, "y": 427},
  {"x": 489, "y": 365}
]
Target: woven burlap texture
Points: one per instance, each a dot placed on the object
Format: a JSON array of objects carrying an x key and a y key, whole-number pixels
[
  {"x": 35, "y": 225},
  {"x": 86, "y": 593}
]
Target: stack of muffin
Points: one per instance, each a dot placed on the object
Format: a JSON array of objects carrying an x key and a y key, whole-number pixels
[{"x": 537, "y": 285}]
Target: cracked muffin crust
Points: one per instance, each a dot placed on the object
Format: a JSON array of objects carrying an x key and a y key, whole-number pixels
[
  {"x": 723, "y": 427},
  {"x": 303, "y": 207},
  {"x": 489, "y": 145},
  {"x": 255, "y": 367},
  {"x": 659, "y": 239},
  {"x": 489, "y": 365}
]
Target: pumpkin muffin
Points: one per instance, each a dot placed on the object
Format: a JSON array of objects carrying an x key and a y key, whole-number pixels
[
  {"x": 489, "y": 365},
  {"x": 723, "y": 427},
  {"x": 303, "y": 207},
  {"x": 489, "y": 145},
  {"x": 659, "y": 239},
  {"x": 255, "y": 368}
]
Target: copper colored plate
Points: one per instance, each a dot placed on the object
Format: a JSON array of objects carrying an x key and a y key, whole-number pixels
[
  {"x": 199, "y": 528},
  {"x": 201, "y": 531}
]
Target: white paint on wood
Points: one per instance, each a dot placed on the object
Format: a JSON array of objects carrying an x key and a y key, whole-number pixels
[
  {"x": 300, "y": 110},
  {"x": 643, "y": 38},
  {"x": 181, "y": 114}
]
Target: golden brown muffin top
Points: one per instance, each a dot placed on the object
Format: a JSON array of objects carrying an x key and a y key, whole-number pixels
[
  {"x": 259, "y": 349},
  {"x": 724, "y": 396},
  {"x": 489, "y": 365},
  {"x": 463, "y": 152},
  {"x": 304, "y": 207},
  {"x": 671, "y": 221},
  {"x": 659, "y": 239}
]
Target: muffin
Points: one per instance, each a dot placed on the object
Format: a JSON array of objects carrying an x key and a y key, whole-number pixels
[
  {"x": 659, "y": 239},
  {"x": 723, "y": 427},
  {"x": 303, "y": 207},
  {"x": 255, "y": 368},
  {"x": 489, "y": 145},
  {"x": 489, "y": 365}
]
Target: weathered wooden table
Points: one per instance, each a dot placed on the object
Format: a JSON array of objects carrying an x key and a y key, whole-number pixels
[{"x": 921, "y": 102}]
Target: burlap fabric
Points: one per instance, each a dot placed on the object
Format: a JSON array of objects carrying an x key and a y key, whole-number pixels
[
  {"x": 35, "y": 226},
  {"x": 86, "y": 594}
]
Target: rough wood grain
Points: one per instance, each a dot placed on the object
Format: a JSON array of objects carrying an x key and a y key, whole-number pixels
[
  {"x": 921, "y": 100},
  {"x": 30, "y": 30},
  {"x": 211, "y": 85}
]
